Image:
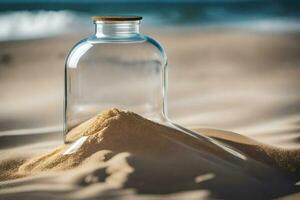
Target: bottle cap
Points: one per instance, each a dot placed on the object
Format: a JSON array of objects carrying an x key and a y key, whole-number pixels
[{"x": 116, "y": 18}]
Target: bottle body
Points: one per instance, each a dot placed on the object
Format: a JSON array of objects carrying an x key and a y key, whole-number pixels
[{"x": 117, "y": 67}]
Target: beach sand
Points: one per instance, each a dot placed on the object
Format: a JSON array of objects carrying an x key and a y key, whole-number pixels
[
  {"x": 244, "y": 82},
  {"x": 120, "y": 150}
]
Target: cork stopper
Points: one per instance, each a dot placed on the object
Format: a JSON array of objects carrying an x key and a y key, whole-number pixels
[{"x": 115, "y": 18}]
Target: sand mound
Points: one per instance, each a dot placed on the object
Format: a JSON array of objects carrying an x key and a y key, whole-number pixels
[
  {"x": 118, "y": 131},
  {"x": 113, "y": 130},
  {"x": 124, "y": 150}
]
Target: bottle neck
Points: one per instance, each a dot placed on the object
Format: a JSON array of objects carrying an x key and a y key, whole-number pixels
[{"x": 117, "y": 29}]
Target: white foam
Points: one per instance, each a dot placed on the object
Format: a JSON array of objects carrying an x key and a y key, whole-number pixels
[{"x": 27, "y": 25}]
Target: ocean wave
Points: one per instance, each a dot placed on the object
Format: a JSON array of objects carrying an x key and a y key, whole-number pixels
[
  {"x": 28, "y": 25},
  {"x": 22, "y": 25}
]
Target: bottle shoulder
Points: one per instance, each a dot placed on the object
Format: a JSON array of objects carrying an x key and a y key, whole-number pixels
[
  {"x": 139, "y": 42},
  {"x": 156, "y": 45},
  {"x": 76, "y": 52}
]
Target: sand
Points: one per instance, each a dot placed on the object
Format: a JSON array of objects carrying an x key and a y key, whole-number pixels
[
  {"x": 124, "y": 150},
  {"x": 243, "y": 82}
]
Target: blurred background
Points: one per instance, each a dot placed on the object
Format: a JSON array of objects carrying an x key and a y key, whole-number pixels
[{"x": 234, "y": 64}]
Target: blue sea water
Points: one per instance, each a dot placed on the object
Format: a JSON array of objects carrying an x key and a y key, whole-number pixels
[{"x": 20, "y": 19}]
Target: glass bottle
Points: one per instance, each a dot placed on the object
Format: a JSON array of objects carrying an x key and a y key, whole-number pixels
[
  {"x": 116, "y": 67},
  {"x": 122, "y": 68}
]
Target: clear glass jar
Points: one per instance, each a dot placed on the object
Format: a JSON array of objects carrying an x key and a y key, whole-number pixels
[{"x": 116, "y": 67}]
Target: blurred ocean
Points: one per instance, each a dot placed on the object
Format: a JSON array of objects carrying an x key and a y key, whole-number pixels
[{"x": 20, "y": 19}]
